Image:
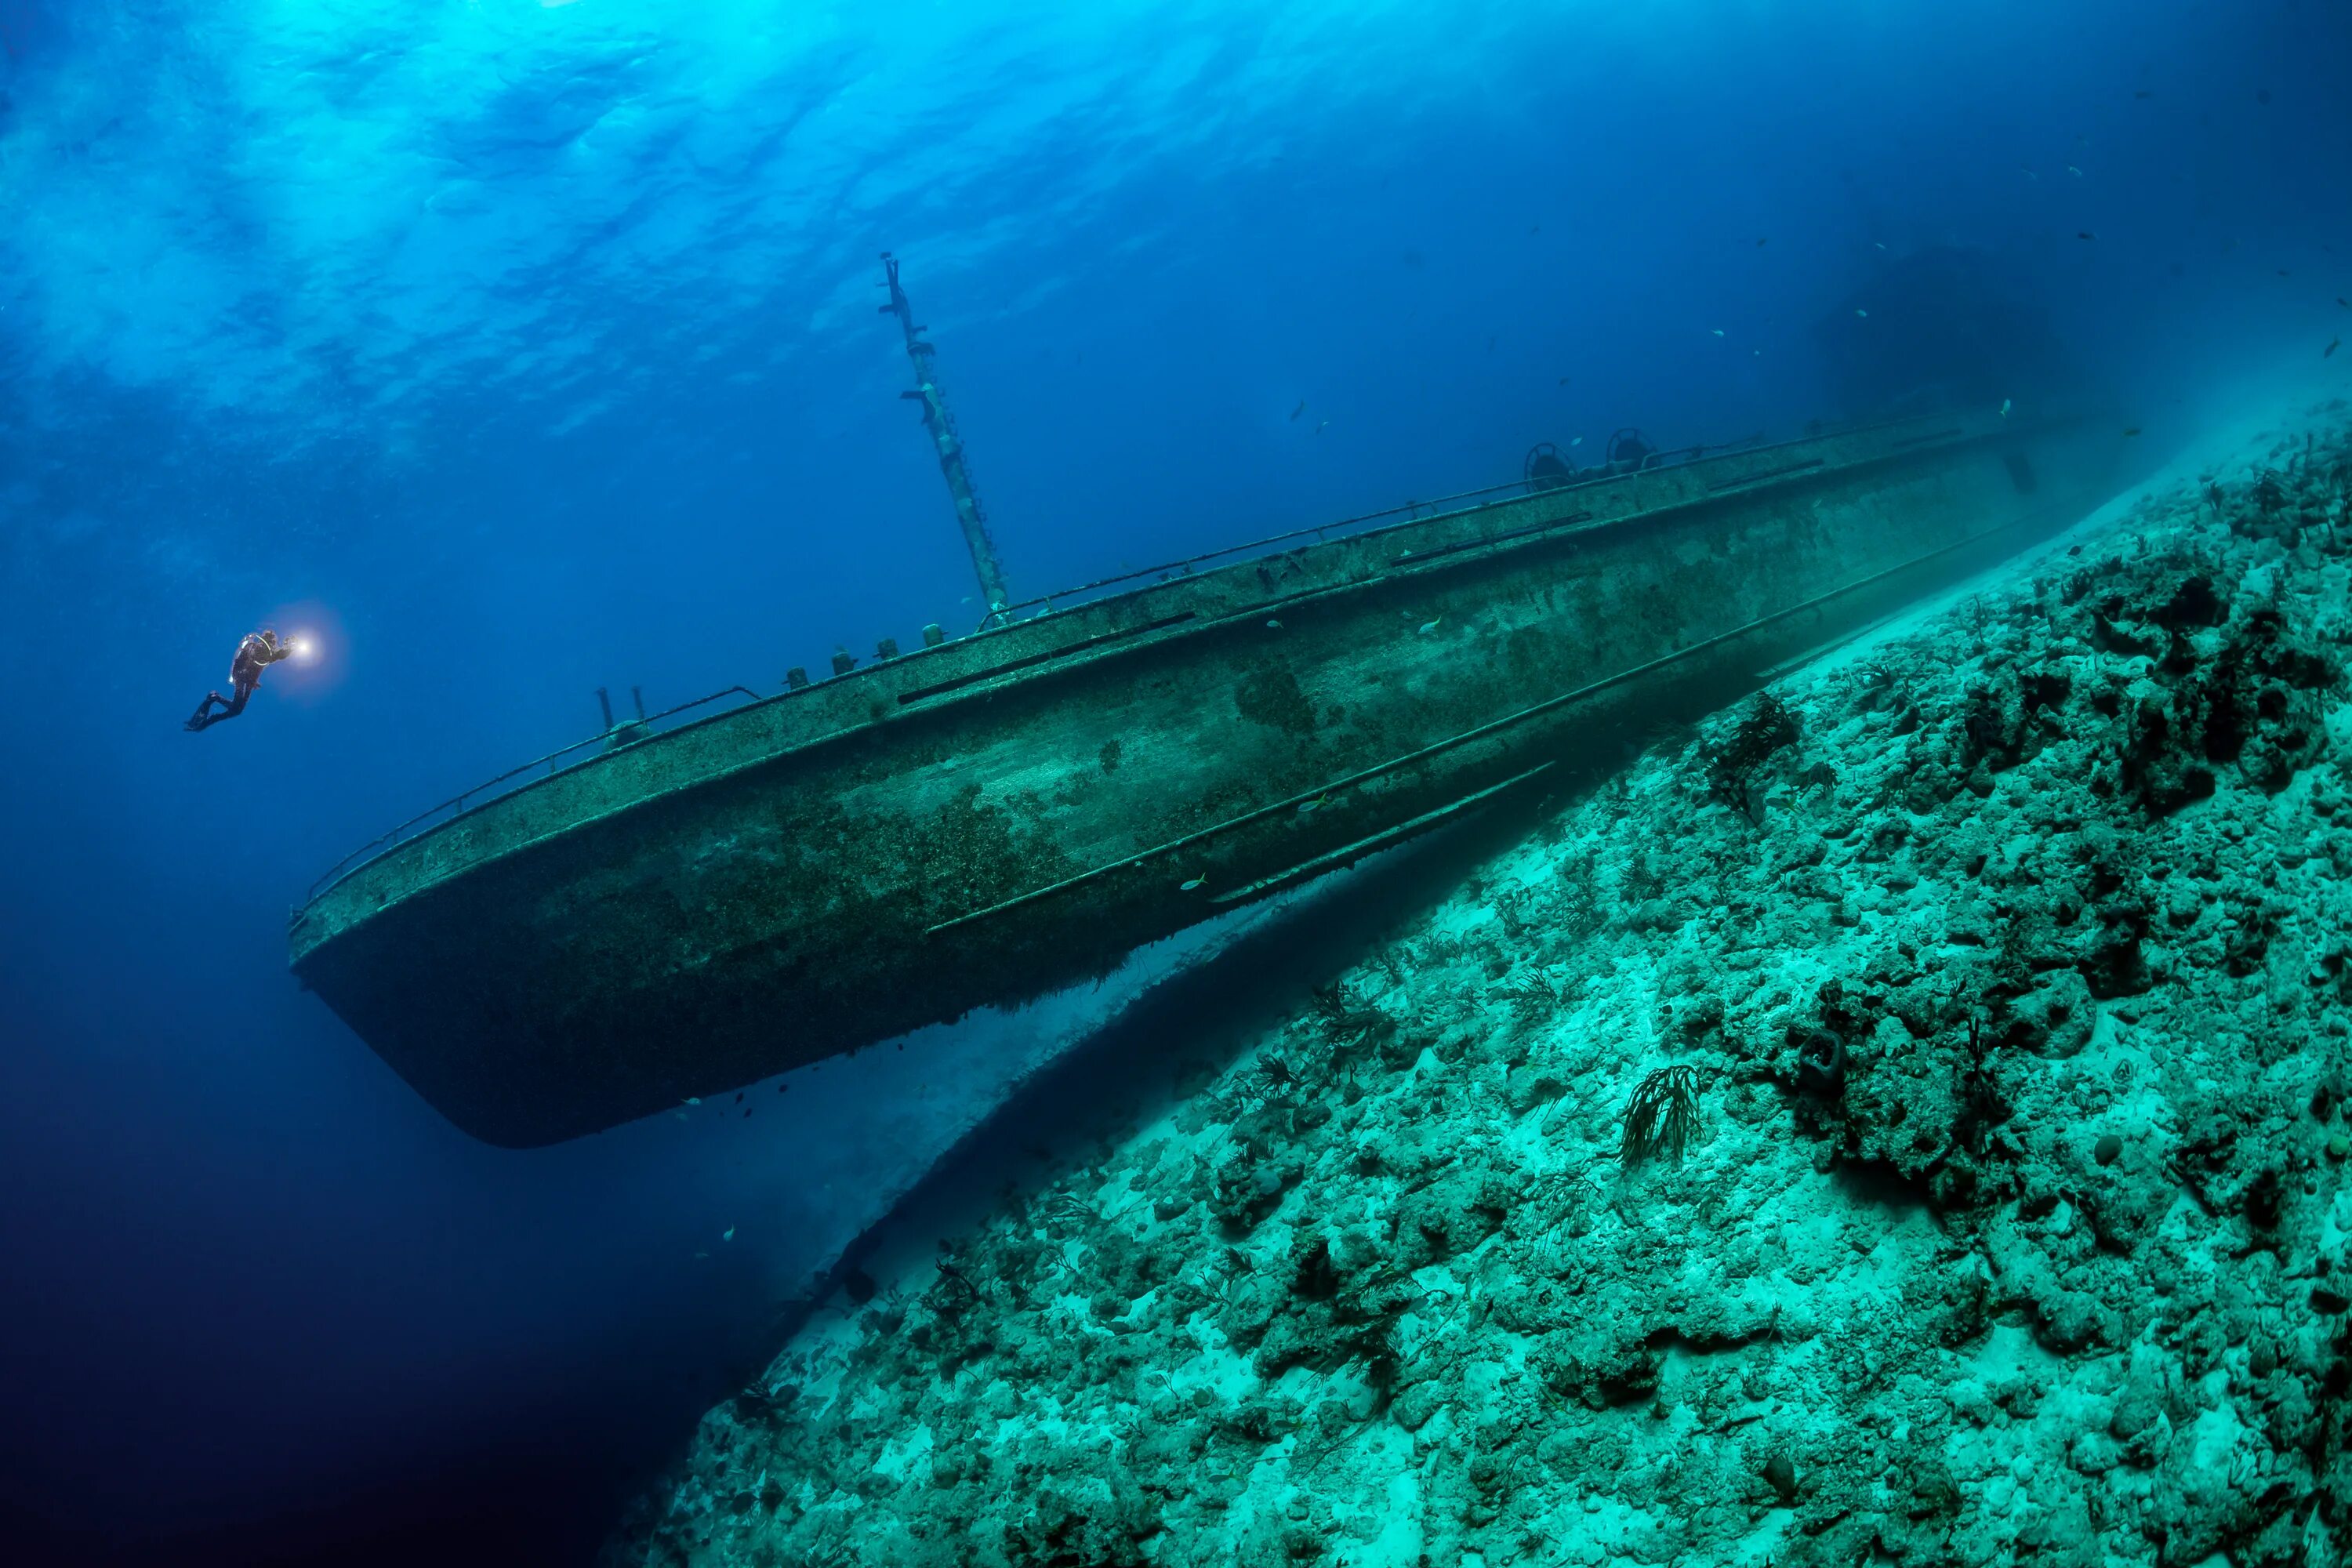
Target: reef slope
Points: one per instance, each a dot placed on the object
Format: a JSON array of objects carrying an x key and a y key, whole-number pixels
[{"x": 2012, "y": 956}]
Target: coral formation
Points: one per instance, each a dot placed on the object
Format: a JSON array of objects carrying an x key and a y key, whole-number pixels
[{"x": 2017, "y": 968}]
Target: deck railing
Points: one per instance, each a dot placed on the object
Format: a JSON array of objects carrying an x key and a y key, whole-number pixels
[
  {"x": 1410, "y": 512},
  {"x": 1042, "y": 604},
  {"x": 489, "y": 789}
]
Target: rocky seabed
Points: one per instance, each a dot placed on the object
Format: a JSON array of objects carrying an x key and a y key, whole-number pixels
[{"x": 1904, "y": 1121}]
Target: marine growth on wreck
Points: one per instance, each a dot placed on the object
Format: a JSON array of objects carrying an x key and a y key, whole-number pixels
[{"x": 1902, "y": 1121}]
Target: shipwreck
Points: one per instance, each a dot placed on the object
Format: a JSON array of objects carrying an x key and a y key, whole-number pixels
[{"x": 694, "y": 900}]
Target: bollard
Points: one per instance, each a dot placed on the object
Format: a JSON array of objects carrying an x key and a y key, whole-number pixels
[
  {"x": 933, "y": 637},
  {"x": 796, "y": 677},
  {"x": 843, "y": 661},
  {"x": 886, "y": 649}
]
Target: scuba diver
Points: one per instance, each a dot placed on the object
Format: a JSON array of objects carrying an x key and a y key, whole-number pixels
[{"x": 256, "y": 653}]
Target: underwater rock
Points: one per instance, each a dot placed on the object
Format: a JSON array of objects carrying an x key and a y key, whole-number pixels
[
  {"x": 2054, "y": 1019},
  {"x": 2010, "y": 960}
]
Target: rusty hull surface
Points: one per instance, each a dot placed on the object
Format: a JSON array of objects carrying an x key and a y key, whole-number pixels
[{"x": 983, "y": 821}]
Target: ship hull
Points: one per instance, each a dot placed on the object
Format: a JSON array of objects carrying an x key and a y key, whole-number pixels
[{"x": 1009, "y": 813}]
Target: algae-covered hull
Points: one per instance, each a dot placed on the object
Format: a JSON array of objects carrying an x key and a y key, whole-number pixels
[{"x": 983, "y": 821}]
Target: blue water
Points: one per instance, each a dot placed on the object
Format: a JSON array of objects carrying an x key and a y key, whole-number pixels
[{"x": 510, "y": 350}]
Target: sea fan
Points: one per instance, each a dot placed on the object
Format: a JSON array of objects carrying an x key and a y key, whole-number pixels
[
  {"x": 2270, "y": 493},
  {"x": 1662, "y": 1116},
  {"x": 1731, "y": 771}
]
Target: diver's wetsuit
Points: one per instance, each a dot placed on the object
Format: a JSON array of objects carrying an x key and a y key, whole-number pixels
[{"x": 256, "y": 653}]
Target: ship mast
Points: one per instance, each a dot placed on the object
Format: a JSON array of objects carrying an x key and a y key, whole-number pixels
[{"x": 942, "y": 425}]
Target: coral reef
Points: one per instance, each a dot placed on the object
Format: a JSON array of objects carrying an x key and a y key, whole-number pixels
[{"x": 2008, "y": 965}]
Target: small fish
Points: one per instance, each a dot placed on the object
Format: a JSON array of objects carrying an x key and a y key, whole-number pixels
[
  {"x": 1273, "y": 626},
  {"x": 1719, "y": 332},
  {"x": 1859, "y": 311},
  {"x": 2074, "y": 171},
  {"x": 2030, "y": 174},
  {"x": 1320, "y": 428},
  {"x": 2004, "y": 408},
  {"x": 1879, "y": 246},
  {"x": 739, "y": 1097},
  {"x": 702, "y": 1255},
  {"x": 1761, "y": 243},
  {"x": 680, "y": 1114},
  {"x": 2085, "y": 234},
  {"x": 2143, "y": 93},
  {"x": 727, "y": 1234},
  {"x": 691, "y": 1099},
  {"x": 2343, "y": 302},
  {"x": 2332, "y": 345},
  {"x": 1297, "y": 411},
  {"x": 1576, "y": 440},
  {"x": 1195, "y": 882},
  {"x": 1563, "y": 380},
  {"x": 2131, "y": 432},
  {"x": 1429, "y": 626}
]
